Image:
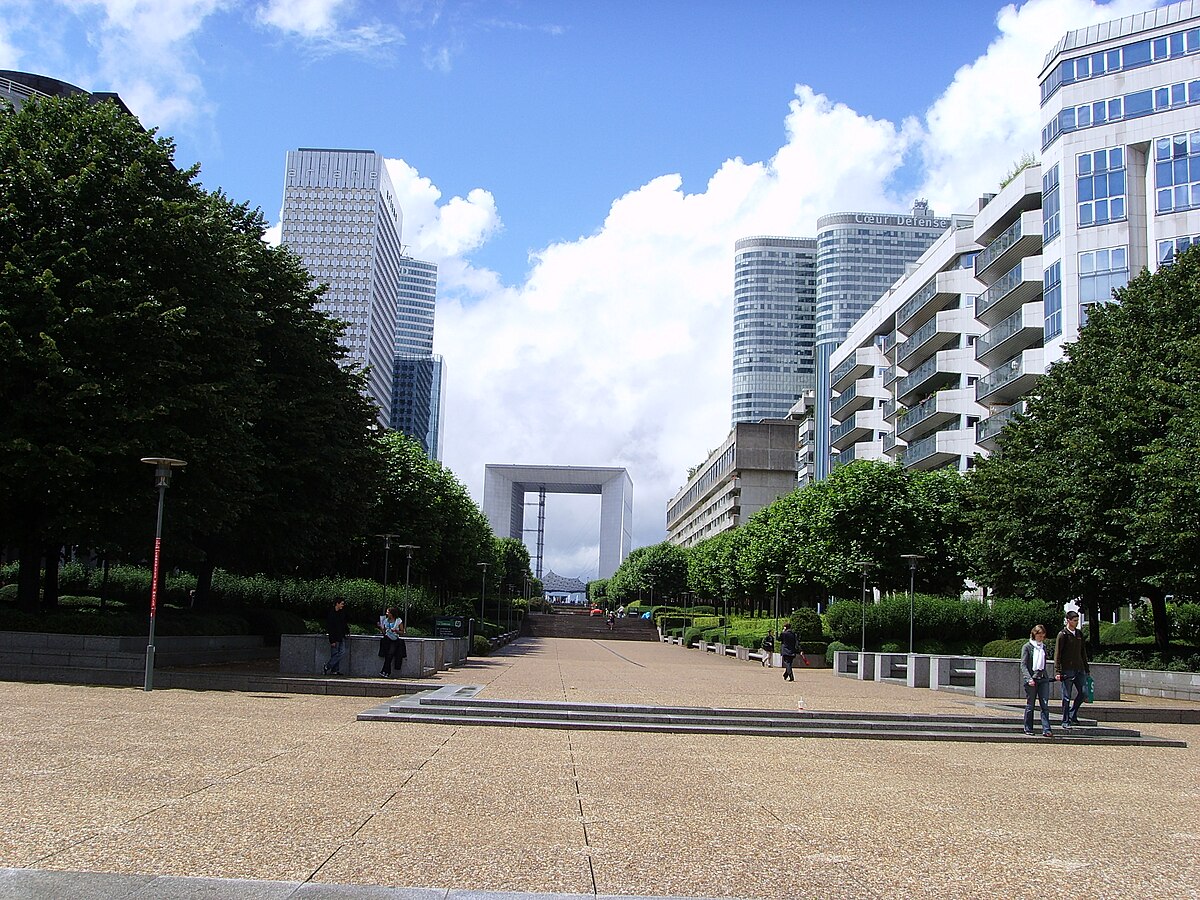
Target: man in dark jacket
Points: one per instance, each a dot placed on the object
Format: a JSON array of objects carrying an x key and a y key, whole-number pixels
[
  {"x": 1071, "y": 667},
  {"x": 787, "y": 650},
  {"x": 338, "y": 629}
]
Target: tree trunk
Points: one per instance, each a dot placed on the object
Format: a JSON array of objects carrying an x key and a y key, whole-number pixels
[
  {"x": 50, "y": 586},
  {"x": 1162, "y": 627},
  {"x": 1093, "y": 610},
  {"x": 204, "y": 579},
  {"x": 29, "y": 573},
  {"x": 104, "y": 584}
]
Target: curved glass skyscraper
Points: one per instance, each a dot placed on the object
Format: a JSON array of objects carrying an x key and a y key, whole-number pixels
[
  {"x": 774, "y": 291},
  {"x": 859, "y": 256}
]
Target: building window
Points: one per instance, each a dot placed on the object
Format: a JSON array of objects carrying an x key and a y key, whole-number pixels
[
  {"x": 1051, "y": 205},
  {"x": 1052, "y": 301},
  {"x": 1168, "y": 249},
  {"x": 1100, "y": 186},
  {"x": 1100, "y": 273},
  {"x": 1177, "y": 172}
]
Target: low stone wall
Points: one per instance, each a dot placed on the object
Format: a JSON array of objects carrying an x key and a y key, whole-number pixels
[
  {"x": 19, "y": 649},
  {"x": 1153, "y": 683},
  {"x": 306, "y": 654}
]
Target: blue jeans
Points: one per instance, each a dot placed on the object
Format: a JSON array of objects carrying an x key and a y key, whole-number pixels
[
  {"x": 337, "y": 649},
  {"x": 1041, "y": 693},
  {"x": 1078, "y": 678}
]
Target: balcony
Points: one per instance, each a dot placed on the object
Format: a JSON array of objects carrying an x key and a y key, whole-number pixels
[
  {"x": 1010, "y": 380},
  {"x": 890, "y": 408},
  {"x": 890, "y": 374},
  {"x": 932, "y": 413},
  {"x": 925, "y": 379},
  {"x": 940, "y": 331},
  {"x": 987, "y": 429},
  {"x": 854, "y": 398},
  {"x": 934, "y": 451},
  {"x": 846, "y": 456},
  {"x": 889, "y": 342},
  {"x": 942, "y": 290},
  {"x": 890, "y": 447},
  {"x": 859, "y": 363},
  {"x": 1016, "y": 287},
  {"x": 854, "y": 429},
  {"x": 1022, "y": 238},
  {"x": 1022, "y": 329}
]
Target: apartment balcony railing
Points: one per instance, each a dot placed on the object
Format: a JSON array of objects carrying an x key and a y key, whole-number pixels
[
  {"x": 1010, "y": 379},
  {"x": 859, "y": 363},
  {"x": 932, "y": 412},
  {"x": 916, "y": 301},
  {"x": 843, "y": 398},
  {"x": 931, "y": 451},
  {"x": 890, "y": 374},
  {"x": 925, "y": 378},
  {"x": 890, "y": 446},
  {"x": 846, "y": 456},
  {"x": 1020, "y": 330},
  {"x": 889, "y": 342},
  {"x": 1022, "y": 238},
  {"x": 987, "y": 429},
  {"x": 854, "y": 429},
  {"x": 1017, "y": 286}
]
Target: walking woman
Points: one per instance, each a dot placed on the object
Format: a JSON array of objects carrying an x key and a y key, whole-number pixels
[
  {"x": 1033, "y": 676},
  {"x": 391, "y": 645}
]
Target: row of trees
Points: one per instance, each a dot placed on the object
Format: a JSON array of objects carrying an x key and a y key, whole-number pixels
[
  {"x": 141, "y": 316},
  {"x": 1094, "y": 494}
]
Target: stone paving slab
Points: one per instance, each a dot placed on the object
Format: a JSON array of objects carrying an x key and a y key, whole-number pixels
[{"x": 291, "y": 788}]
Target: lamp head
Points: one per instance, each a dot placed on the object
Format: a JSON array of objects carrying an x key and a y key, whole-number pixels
[{"x": 162, "y": 468}]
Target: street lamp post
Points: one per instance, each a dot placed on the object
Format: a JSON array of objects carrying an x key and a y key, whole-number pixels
[
  {"x": 407, "y": 574},
  {"x": 482, "y": 589},
  {"x": 650, "y": 578},
  {"x": 387, "y": 546},
  {"x": 777, "y": 579},
  {"x": 162, "y": 475},
  {"x": 866, "y": 564},
  {"x": 912, "y": 558}
]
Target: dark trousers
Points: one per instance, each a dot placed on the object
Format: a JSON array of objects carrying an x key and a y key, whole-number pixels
[
  {"x": 1077, "y": 679},
  {"x": 393, "y": 650},
  {"x": 787, "y": 667}
]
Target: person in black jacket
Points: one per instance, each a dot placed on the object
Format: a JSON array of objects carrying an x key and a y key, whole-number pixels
[
  {"x": 337, "y": 627},
  {"x": 787, "y": 650},
  {"x": 1071, "y": 667},
  {"x": 768, "y": 649}
]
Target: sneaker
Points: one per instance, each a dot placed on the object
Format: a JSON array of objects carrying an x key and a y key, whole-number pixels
[
  {"x": 1028, "y": 731},
  {"x": 1066, "y": 724},
  {"x": 325, "y": 669},
  {"x": 385, "y": 674},
  {"x": 1046, "y": 733}
]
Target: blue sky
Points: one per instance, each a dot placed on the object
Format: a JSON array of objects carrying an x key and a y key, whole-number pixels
[{"x": 580, "y": 171}]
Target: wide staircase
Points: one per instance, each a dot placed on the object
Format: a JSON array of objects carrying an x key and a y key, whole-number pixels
[
  {"x": 581, "y": 625},
  {"x": 459, "y": 705}
]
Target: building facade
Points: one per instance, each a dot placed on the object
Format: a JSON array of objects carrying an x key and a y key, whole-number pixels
[
  {"x": 859, "y": 256},
  {"x": 418, "y": 397},
  {"x": 341, "y": 216},
  {"x": 753, "y": 467},
  {"x": 904, "y": 378},
  {"x": 418, "y": 302},
  {"x": 774, "y": 295},
  {"x": 20, "y": 87},
  {"x": 1120, "y": 158}
]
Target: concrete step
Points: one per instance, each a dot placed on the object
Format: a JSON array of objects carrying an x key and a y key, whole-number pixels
[
  {"x": 444, "y": 708},
  {"x": 576, "y": 625}
]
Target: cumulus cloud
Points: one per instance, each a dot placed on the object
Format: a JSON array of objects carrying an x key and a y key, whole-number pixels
[{"x": 325, "y": 26}]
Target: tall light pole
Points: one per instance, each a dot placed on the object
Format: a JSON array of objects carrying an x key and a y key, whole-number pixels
[
  {"x": 387, "y": 546},
  {"x": 650, "y": 578},
  {"x": 482, "y": 589},
  {"x": 407, "y": 574},
  {"x": 777, "y": 579},
  {"x": 162, "y": 477},
  {"x": 866, "y": 564},
  {"x": 912, "y": 558}
]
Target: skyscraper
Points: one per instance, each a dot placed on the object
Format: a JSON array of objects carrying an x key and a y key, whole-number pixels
[
  {"x": 774, "y": 292},
  {"x": 859, "y": 256},
  {"x": 340, "y": 215},
  {"x": 418, "y": 399},
  {"x": 418, "y": 297}
]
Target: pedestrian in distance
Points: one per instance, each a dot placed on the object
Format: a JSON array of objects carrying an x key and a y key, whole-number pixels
[
  {"x": 787, "y": 650},
  {"x": 337, "y": 628},
  {"x": 391, "y": 645},
  {"x": 1033, "y": 676},
  {"x": 1071, "y": 667},
  {"x": 768, "y": 650}
]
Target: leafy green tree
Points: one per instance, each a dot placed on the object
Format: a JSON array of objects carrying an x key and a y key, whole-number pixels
[
  {"x": 1081, "y": 500},
  {"x": 513, "y": 571}
]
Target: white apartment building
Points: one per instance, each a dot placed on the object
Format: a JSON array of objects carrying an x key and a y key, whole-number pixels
[
  {"x": 905, "y": 376},
  {"x": 1120, "y": 158},
  {"x": 754, "y": 466}
]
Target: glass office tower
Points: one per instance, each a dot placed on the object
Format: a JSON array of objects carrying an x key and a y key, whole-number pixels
[
  {"x": 859, "y": 256},
  {"x": 774, "y": 292},
  {"x": 340, "y": 215}
]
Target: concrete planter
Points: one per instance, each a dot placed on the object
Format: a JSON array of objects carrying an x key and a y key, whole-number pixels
[{"x": 306, "y": 654}]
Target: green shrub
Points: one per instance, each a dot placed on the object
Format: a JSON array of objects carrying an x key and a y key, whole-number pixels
[
  {"x": 1187, "y": 623},
  {"x": 890, "y": 647},
  {"x": 1004, "y": 648},
  {"x": 834, "y": 646},
  {"x": 691, "y": 635},
  {"x": 1014, "y": 619},
  {"x": 931, "y": 647},
  {"x": 814, "y": 647},
  {"x": 480, "y": 646},
  {"x": 8, "y": 593},
  {"x": 807, "y": 624},
  {"x": 1122, "y": 633}
]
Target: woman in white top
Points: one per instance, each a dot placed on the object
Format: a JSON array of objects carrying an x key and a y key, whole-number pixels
[
  {"x": 391, "y": 646},
  {"x": 1033, "y": 676}
]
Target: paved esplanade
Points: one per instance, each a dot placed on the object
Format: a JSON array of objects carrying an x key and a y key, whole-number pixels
[{"x": 291, "y": 788}]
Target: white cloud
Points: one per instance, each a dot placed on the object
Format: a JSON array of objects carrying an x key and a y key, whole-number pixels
[{"x": 322, "y": 25}]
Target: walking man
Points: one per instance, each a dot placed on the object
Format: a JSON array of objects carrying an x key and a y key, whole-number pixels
[
  {"x": 1071, "y": 667},
  {"x": 787, "y": 650},
  {"x": 768, "y": 650},
  {"x": 338, "y": 629}
]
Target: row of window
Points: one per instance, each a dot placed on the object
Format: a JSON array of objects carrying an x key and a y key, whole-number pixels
[
  {"x": 1100, "y": 186},
  {"x": 1114, "y": 109},
  {"x": 1169, "y": 248},
  {"x": 1177, "y": 172},
  {"x": 1131, "y": 56}
]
